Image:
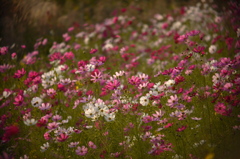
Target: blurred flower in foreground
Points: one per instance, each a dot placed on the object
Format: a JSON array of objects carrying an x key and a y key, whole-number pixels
[
  {"x": 9, "y": 132},
  {"x": 210, "y": 156}
]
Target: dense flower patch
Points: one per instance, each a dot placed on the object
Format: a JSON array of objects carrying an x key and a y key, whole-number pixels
[{"x": 123, "y": 88}]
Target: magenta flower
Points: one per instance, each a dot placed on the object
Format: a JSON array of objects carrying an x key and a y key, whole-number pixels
[
  {"x": 42, "y": 122},
  {"x": 93, "y": 51},
  {"x": 18, "y": 100},
  {"x": 62, "y": 137},
  {"x": 10, "y": 131},
  {"x": 198, "y": 49},
  {"x": 111, "y": 85},
  {"x": 193, "y": 32},
  {"x": 47, "y": 136},
  {"x": 3, "y": 50},
  {"x": 220, "y": 108},
  {"x": 81, "y": 151},
  {"x": 181, "y": 128},
  {"x": 14, "y": 55},
  {"x": 168, "y": 125},
  {"x": 182, "y": 38},
  {"x": 19, "y": 73},
  {"x": 134, "y": 80}
]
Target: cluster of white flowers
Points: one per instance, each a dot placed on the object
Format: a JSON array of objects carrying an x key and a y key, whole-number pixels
[
  {"x": 48, "y": 79},
  {"x": 98, "y": 108},
  {"x": 200, "y": 143}
]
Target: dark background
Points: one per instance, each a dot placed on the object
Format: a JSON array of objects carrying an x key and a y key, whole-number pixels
[{"x": 23, "y": 21}]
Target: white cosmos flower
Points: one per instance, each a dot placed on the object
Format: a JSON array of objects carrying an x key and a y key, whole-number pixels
[
  {"x": 110, "y": 117},
  {"x": 30, "y": 122},
  {"x": 44, "y": 147},
  {"x": 90, "y": 112},
  {"x": 36, "y": 101},
  {"x": 170, "y": 83},
  {"x": 89, "y": 67},
  {"x": 144, "y": 101},
  {"x": 212, "y": 49}
]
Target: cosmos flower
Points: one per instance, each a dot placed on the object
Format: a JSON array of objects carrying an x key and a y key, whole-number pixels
[
  {"x": 81, "y": 151},
  {"x": 144, "y": 100},
  {"x": 19, "y": 73},
  {"x": 36, "y": 102}
]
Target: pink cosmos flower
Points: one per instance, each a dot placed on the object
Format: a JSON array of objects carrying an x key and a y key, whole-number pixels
[
  {"x": 147, "y": 119},
  {"x": 56, "y": 117},
  {"x": 77, "y": 46},
  {"x": 158, "y": 115},
  {"x": 3, "y": 50},
  {"x": 18, "y": 100},
  {"x": 96, "y": 76},
  {"x": 47, "y": 136},
  {"x": 62, "y": 137},
  {"x": 220, "y": 108},
  {"x": 182, "y": 38},
  {"x": 181, "y": 128},
  {"x": 14, "y": 55},
  {"x": 227, "y": 86},
  {"x": 81, "y": 151},
  {"x": 92, "y": 145},
  {"x": 19, "y": 73},
  {"x": 44, "y": 42},
  {"x": 172, "y": 101},
  {"x": 42, "y": 122},
  {"x": 198, "y": 49},
  {"x": 9, "y": 132},
  {"x": 168, "y": 125},
  {"x": 134, "y": 80},
  {"x": 51, "y": 92},
  {"x": 111, "y": 85},
  {"x": 5, "y": 67},
  {"x": 193, "y": 32},
  {"x": 52, "y": 125},
  {"x": 70, "y": 29},
  {"x": 93, "y": 51}
]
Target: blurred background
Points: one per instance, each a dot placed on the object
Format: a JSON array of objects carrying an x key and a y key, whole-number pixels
[{"x": 23, "y": 21}]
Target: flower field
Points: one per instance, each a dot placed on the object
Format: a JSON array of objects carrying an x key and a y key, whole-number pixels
[{"x": 164, "y": 88}]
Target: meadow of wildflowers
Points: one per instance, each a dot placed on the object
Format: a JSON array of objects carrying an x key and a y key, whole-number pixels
[{"x": 123, "y": 88}]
